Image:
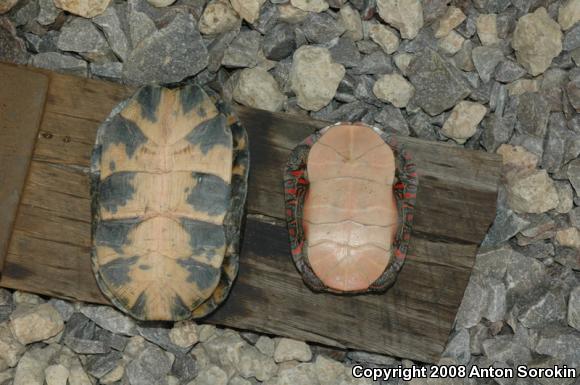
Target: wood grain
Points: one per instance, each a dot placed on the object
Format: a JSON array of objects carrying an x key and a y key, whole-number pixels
[
  {"x": 49, "y": 249},
  {"x": 22, "y": 98}
]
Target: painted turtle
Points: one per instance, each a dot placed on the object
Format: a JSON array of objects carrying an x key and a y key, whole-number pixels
[
  {"x": 350, "y": 194},
  {"x": 168, "y": 184}
]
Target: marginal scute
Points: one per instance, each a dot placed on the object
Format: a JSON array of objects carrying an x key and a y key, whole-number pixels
[
  {"x": 350, "y": 192},
  {"x": 169, "y": 175}
]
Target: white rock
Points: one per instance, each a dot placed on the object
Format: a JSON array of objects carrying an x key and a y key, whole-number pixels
[
  {"x": 35, "y": 323},
  {"x": 569, "y": 237},
  {"x": 287, "y": 13},
  {"x": 405, "y": 15},
  {"x": 517, "y": 159},
  {"x": 302, "y": 374},
  {"x": 10, "y": 349},
  {"x": 314, "y": 77},
  {"x": 211, "y": 376},
  {"x": 521, "y": 86},
  {"x": 134, "y": 346},
  {"x": 249, "y": 10},
  {"x": 20, "y": 297},
  {"x": 531, "y": 192},
  {"x": 205, "y": 332},
  {"x": 253, "y": 363},
  {"x": 114, "y": 375},
  {"x": 384, "y": 37},
  {"x": 569, "y": 14},
  {"x": 537, "y": 40},
  {"x": 7, "y": 5},
  {"x": 463, "y": 121},
  {"x": 394, "y": 89},
  {"x": 218, "y": 17},
  {"x": 352, "y": 22},
  {"x": 328, "y": 371},
  {"x": 258, "y": 89},
  {"x": 310, "y": 5},
  {"x": 288, "y": 350},
  {"x": 451, "y": 43},
  {"x": 184, "y": 334},
  {"x": 225, "y": 350},
  {"x": 56, "y": 375},
  {"x": 84, "y": 8},
  {"x": 453, "y": 18},
  {"x": 402, "y": 61},
  {"x": 239, "y": 381},
  {"x": 487, "y": 29},
  {"x": 266, "y": 345},
  {"x": 78, "y": 376},
  {"x": 30, "y": 369},
  {"x": 160, "y": 3}
]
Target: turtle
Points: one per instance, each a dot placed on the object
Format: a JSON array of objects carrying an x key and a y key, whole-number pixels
[
  {"x": 169, "y": 175},
  {"x": 350, "y": 192}
]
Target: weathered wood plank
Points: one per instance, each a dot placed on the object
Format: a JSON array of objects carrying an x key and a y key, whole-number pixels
[
  {"x": 49, "y": 251},
  {"x": 22, "y": 97}
]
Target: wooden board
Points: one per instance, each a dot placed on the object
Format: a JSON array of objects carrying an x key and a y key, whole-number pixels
[
  {"x": 49, "y": 249},
  {"x": 22, "y": 97}
]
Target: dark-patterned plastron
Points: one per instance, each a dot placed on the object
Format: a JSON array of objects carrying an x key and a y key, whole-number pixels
[
  {"x": 359, "y": 219},
  {"x": 168, "y": 182}
]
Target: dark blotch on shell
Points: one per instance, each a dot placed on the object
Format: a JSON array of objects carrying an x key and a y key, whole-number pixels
[
  {"x": 116, "y": 190},
  {"x": 116, "y": 272},
  {"x": 210, "y": 194},
  {"x": 204, "y": 276},
  {"x": 211, "y": 133},
  {"x": 122, "y": 131}
]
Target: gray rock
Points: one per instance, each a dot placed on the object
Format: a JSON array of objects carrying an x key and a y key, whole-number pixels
[
  {"x": 321, "y": 27},
  {"x": 12, "y": 48},
  {"x": 279, "y": 42},
  {"x": 533, "y": 114},
  {"x": 99, "y": 365},
  {"x": 549, "y": 307},
  {"x": 110, "y": 23},
  {"x": 496, "y": 300},
  {"x": 253, "y": 363},
  {"x": 64, "y": 308},
  {"x": 159, "y": 335},
  {"x": 477, "y": 335},
  {"x": 114, "y": 341},
  {"x": 572, "y": 39},
  {"x": 486, "y": 59},
  {"x": 349, "y": 112},
  {"x": 217, "y": 49},
  {"x": 421, "y": 127},
  {"x": 243, "y": 51},
  {"x": 48, "y": 12},
  {"x": 25, "y": 13},
  {"x": 149, "y": 368},
  {"x": 573, "y": 93},
  {"x": 224, "y": 350},
  {"x": 79, "y": 326},
  {"x": 109, "y": 70},
  {"x": 85, "y": 346},
  {"x": 509, "y": 71},
  {"x": 345, "y": 52},
  {"x": 492, "y": 6},
  {"x": 555, "y": 143},
  {"x": 473, "y": 304},
  {"x": 438, "y": 85},
  {"x": 574, "y": 309},
  {"x": 110, "y": 319},
  {"x": 560, "y": 342},
  {"x": 458, "y": 347},
  {"x": 30, "y": 369},
  {"x": 184, "y": 367},
  {"x": 168, "y": 55},
  {"x": 6, "y": 304},
  {"x": 212, "y": 375},
  {"x": 505, "y": 349},
  {"x": 80, "y": 35},
  {"x": 573, "y": 174},
  {"x": 523, "y": 274},
  {"x": 376, "y": 63},
  {"x": 268, "y": 19},
  {"x": 140, "y": 27},
  {"x": 506, "y": 223},
  {"x": 392, "y": 120}
]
